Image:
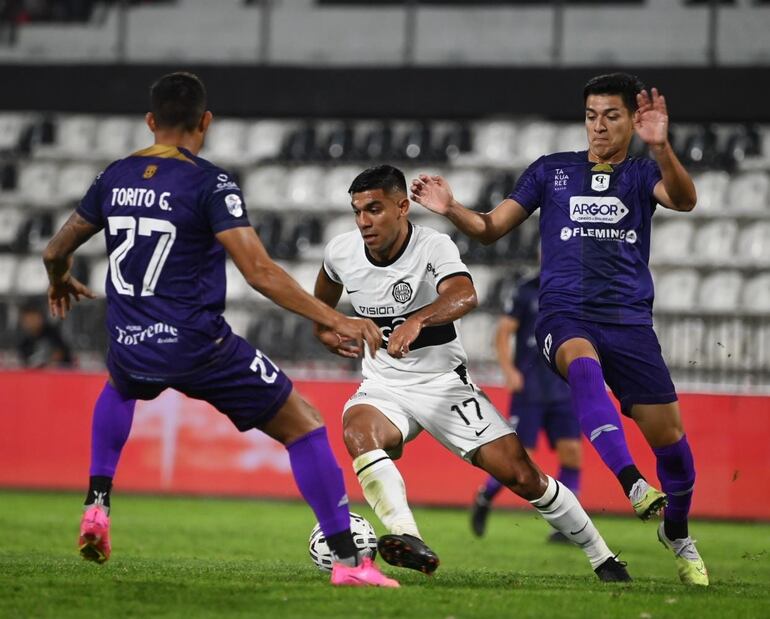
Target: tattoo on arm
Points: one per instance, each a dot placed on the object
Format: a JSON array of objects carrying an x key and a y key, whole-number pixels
[{"x": 58, "y": 253}]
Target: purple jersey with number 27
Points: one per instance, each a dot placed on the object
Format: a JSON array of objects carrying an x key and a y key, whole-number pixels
[
  {"x": 160, "y": 209},
  {"x": 595, "y": 235}
]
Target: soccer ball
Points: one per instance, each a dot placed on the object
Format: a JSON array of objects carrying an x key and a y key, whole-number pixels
[{"x": 363, "y": 535}]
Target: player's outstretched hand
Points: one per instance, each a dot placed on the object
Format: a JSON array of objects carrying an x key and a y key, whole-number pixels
[
  {"x": 402, "y": 337},
  {"x": 60, "y": 296},
  {"x": 359, "y": 330},
  {"x": 432, "y": 192},
  {"x": 651, "y": 118},
  {"x": 339, "y": 345}
]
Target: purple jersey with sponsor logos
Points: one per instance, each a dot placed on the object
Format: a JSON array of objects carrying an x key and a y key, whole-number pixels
[
  {"x": 161, "y": 209},
  {"x": 595, "y": 235}
]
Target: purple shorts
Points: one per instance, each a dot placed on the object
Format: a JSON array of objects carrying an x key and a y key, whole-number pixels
[
  {"x": 555, "y": 417},
  {"x": 240, "y": 381},
  {"x": 630, "y": 356}
]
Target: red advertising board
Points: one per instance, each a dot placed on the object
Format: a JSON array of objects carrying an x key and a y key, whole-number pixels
[{"x": 179, "y": 445}]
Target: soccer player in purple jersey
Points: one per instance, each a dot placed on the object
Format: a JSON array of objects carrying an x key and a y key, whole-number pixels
[
  {"x": 169, "y": 219},
  {"x": 539, "y": 400},
  {"x": 596, "y": 292}
]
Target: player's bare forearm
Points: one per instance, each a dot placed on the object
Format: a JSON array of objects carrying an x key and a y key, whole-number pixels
[
  {"x": 327, "y": 291},
  {"x": 487, "y": 227},
  {"x": 57, "y": 256},
  {"x": 278, "y": 286},
  {"x": 456, "y": 298},
  {"x": 506, "y": 328},
  {"x": 678, "y": 184}
]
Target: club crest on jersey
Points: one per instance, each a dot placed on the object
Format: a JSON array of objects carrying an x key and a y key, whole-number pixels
[
  {"x": 234, "y": 204},
  {"x": 600, "y": 182},
  {"x": 149, "y": 171},
  {"x": 402, "y": 292}
]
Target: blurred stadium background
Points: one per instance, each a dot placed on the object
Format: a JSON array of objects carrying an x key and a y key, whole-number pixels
[{"x": 306, "y": 93}]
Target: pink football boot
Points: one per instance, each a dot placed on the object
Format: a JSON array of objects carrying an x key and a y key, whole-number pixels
[{"x": 364, "y": 575}]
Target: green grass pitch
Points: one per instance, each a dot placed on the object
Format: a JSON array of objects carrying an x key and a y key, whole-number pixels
[{"x": 180, "y": 557}]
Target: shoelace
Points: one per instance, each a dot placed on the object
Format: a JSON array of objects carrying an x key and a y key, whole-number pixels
[{"x": 687, "y": 549}]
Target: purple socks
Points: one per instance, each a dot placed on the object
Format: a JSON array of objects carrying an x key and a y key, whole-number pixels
[
  {"x": 676, "y": 473},
  {"x": 571, "y": 478},
  {"x": 598, "y": 418},
  {"x": 319, "y": 479},
  {"x": 111, "y": 425}
]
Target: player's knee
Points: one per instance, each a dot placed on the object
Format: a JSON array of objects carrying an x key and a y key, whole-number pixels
[
  {"x": 523, "y": 479},
  {"x": 359, "y": 437}
]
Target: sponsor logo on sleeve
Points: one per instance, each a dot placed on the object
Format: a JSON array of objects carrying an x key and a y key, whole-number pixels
[{"x": 234, "y": 204}]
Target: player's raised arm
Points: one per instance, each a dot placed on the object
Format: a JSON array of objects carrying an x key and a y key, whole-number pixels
[
  {"x": 456, "y": 297},
  {"x": 435, "y": 194},
  {"x": 58, "y": 256},
  {"x": 676, "y": 190},
  {"x": 330, "y": 292},
  {"x": 265, "y": 276}
]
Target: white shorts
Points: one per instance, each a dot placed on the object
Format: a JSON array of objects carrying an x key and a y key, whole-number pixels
[{"x": 455, "y": 412}]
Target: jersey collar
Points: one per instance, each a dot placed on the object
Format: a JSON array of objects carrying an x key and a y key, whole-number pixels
[{"x": 399, "y": 253}]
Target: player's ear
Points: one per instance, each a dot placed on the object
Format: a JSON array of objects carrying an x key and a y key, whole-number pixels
[
  {"x": 205, "y": 121},
  {"x": 403, "y": 206},
  {"x": 149, "y": 118}
]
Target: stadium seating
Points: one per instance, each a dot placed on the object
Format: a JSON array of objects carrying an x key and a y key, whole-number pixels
[{"x": 295, "y": 174}]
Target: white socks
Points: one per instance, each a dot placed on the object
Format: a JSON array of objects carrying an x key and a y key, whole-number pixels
[
  {"x": 385, "y": 492},
  {"x": 564, "y": 513}
]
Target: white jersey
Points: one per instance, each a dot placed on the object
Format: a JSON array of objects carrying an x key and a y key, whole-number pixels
[{"x": 389, "y": 293}]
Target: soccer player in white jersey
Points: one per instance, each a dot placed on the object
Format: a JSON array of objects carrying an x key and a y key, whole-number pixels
[{"x": 411, "y": 281}]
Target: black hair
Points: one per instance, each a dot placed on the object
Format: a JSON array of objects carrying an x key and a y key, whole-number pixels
[
  {"x": 178, "y": 101},
  {"x": 623, "y": 84},
  {"x": 384, "y": 177}
]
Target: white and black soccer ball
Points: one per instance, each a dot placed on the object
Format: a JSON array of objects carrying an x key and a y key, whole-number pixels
[{"x": 363, "y": 535}]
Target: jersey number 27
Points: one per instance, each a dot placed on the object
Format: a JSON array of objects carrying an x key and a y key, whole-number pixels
[{"x": 144, "y": 226}]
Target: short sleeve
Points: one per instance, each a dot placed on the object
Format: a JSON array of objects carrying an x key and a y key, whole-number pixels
[
  {"x": 90, "y": 207},
  {"x": 528, "y": 189},
  {"x": 329, "y": 267},
  {"x": 650, "y": 175},
  {"x": 444, "y": 259},
  {"x": 223, "y": 203}
]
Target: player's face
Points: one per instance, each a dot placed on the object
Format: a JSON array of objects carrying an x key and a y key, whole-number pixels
[
  {"x": 381, "y": 219},
  {"x": 610, "y": 127}
]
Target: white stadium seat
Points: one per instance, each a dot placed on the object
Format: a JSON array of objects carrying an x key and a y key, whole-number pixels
[
  {"x": 264, "y": 139},
  {"x": 265, "y": 187},
  {"x": 115, "y": 137},
  {"x": 31, "y": 278},
  {"x": 720, "y": 291},
  {"x": 304, "y": 185},
  {"x": 754, "y": 244},
  {"x": 335, "y": 187},
  {"x": 466, "y": 185},
  {"x": 73, "y": 181},
  {"x": 38, "y": 183},
  {"x": 12, "y": 126},
  {"x": 11, "y": 220},
  {"x": 477, "y": 331},
  {"x": 225, "y": 142},
  {"x": 714, "y": 242},
  {"x": 494, "y": 141},
  {"x": 237, "y": 287},
  {"x": 76, "y": 136},
  {"x": 534, "y": 140},
  {"x": 711, "y": 188},
  {"x": 756, "y": 294},
  {"x": 570, "y": 137},
  {"x": 749, "y": 192},
  {"x": 676, "y": 290},
  {"x": 671, "y": 242},
  {"x": 8, "y": 263}
]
